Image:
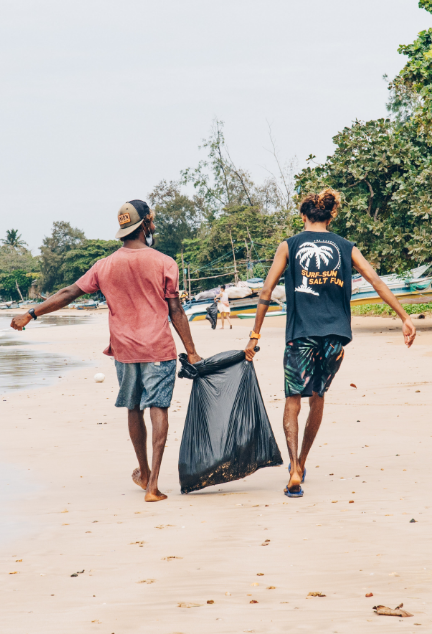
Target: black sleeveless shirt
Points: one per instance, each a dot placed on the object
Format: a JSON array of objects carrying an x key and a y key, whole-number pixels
[{"x": 318, "y": 286}]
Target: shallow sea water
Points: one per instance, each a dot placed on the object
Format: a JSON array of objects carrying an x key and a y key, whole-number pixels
[{"x": 32, "y": 368}]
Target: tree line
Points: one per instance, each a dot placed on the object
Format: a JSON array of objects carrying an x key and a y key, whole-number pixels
[{"x": 220, "y": 225}]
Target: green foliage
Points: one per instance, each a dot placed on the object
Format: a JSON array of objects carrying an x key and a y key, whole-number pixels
[
  {"x": 384, "y": 171},
  {"x": 426, "y": 4},
  {"x": 9, "y": 281},
  {"x": 12, "y": 259},
  {"x": 13, "y": 239},
  {"x": 255, "y": 237},
  {"x": 16, "y": 262},
  {"x": 64, "y": 237},
  {"x": 80, "y": 259},
  {"x": 177, "y": 217},
  {"x": 383, "y": 310}
]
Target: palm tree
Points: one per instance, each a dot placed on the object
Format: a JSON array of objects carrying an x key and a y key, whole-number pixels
[
  {"x": 307, "y": 251},
  {"x": 13, "y": 239}
]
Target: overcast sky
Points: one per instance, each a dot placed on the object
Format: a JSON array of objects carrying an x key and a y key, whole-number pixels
[{"x": 101, "y": 99}]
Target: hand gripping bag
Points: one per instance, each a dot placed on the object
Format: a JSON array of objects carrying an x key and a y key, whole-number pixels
[{"x": 227, "y": 433}]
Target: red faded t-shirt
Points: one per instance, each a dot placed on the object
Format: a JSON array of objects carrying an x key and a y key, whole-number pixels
[{"x": 136, "y": 283}]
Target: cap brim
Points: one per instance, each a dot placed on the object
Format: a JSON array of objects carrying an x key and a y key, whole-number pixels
[{"x": 121, "y": 233}]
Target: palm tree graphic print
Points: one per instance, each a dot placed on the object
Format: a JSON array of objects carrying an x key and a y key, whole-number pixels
[{"x": 310, "y": 251}]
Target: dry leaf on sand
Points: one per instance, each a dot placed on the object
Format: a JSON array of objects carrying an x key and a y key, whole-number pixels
[
  {"x": 369, "y": 594},
  {"x": 260, "y": 574},
  {"x": 271, "y": 588},
  {"x": 353, "y": 385},
  {"x": 253, "y": 601},
  {"x": 14, "y": 573},
  {"x": 382, "y": 610},
  {"x": 189, "y": 605},
  {"x": 210, "y": 602},
  {"x": 315, "y": 594},
  {"x": 147, "y": 581},
  {"x": 171, "y": 558}
]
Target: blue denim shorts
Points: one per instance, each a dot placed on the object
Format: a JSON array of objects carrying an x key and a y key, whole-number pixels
[{"x": 145, "y": 384}]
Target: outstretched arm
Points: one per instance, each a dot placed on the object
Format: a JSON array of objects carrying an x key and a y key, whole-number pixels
[
  {"x": 365, "y": 269},
  {"x": 61, "y": 299},
  {"x": 273, "y": 276},
  {"x": 181, "y": 325}
]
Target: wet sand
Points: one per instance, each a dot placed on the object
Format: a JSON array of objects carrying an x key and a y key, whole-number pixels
[{"x": 141, "y": 561}]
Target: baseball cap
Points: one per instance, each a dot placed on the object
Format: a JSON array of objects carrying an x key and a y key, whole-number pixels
[{"x": 130, "y": 216}]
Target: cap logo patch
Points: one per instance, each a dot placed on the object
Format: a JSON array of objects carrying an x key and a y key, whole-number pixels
[{"x": 124, "y": 218}]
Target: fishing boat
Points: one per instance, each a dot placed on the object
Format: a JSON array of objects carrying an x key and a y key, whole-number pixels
[
  {"x": 413, "y": 288},
  {"x": 243, "y": 298}
]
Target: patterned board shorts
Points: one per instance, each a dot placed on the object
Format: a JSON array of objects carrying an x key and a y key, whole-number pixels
[
  {"x": 311, "y": 363},
  {"x": 145, "y": 384}
]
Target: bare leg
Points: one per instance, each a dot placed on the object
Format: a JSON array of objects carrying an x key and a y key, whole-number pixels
[
  {"x": 228, "y": 319},
  {"x": 313, "y": 423},
  {"x": 159, "y": 419},
  {"x": 138, "y": 435},
  {"x": 290, "y": 423},
  {"x": 223, "y": 323}
]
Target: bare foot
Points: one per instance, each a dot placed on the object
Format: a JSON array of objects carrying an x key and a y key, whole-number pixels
[
  {"x": 155, "y": 497},
  {"x": 139, "y": 479}
]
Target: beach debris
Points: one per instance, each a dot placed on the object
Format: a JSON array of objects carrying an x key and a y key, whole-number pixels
[
  {"x": 189, "y": 605},
  {"x": 334, "y": 501},
  {"x": 148, "y": 581},
  {"x": 227, "y": 594},
  {"x": 65, "y": 511},
  {"x": 165, "y": 526},
  {"x": 413, "y": 521},
  {"x": 369, "y": 594},
  {"x": 17, "y": 561},
  {"x": 15, "y": 572},
  {"x": 171, "y": 558},
  {"x": 260, "y": 574},
  {"x": 315, "y": 594},
  {"x": 271, "y": 588},
  {"x": 99, "y": 377},
  {"x": 139, "y": 544},
  {"x": 96, "y": 621},
  {"x": 255, "y": 584},
  {"x": 351, "y": 502},
  {"x": 75, "y": 574},
  {"x": 266, "y": 542},
  {"x": 384, "y": 611},
  {"x": 253, "y": 601},
  {"x": 78, "y": 572},
  {"x": 210, "y": 602},
  {"x": 393, "y": 574},
  {"x": 353, "y": 385}
]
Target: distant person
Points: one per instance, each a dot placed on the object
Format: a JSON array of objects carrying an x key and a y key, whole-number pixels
[
  {"x": 141, "y": 288},
  {"x": 223, "y": 306},
  {"x": 318, "y": 269}
]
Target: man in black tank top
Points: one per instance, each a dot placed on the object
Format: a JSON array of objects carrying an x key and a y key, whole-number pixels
[{"x": 317, "y": 265}]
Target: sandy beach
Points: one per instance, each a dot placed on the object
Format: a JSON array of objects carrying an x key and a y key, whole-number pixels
[{"x": 243, "y": 546}]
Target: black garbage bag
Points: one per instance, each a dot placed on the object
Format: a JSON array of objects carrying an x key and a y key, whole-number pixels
[
  {"x": 227, "y": 433},
  {"x": 212, "y": 312}
]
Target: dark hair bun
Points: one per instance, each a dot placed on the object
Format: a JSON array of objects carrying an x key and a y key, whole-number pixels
[{"x": 321, "y": 207}]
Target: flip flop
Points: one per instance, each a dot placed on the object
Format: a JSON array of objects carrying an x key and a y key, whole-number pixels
[
  {"x": 304, "y": 472},
  {"x": 294, "y": 494}
]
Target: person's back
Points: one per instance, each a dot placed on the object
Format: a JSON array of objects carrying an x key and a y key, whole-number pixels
[
  {"x": 141, "y": 289},
  {"x": 136, "y": 284},
  {"x": 317, "y": 266},
  {"x": 318, "y": 286}
]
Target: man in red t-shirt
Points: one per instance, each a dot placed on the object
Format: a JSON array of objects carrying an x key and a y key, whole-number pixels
[{"x": 141, "y": 287}]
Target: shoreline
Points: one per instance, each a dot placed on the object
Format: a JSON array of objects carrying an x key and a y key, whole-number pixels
[{"x": 88, "y": 515}]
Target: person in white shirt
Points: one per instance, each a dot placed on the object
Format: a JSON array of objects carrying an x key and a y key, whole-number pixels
[{"x": 223, "y": 306}]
